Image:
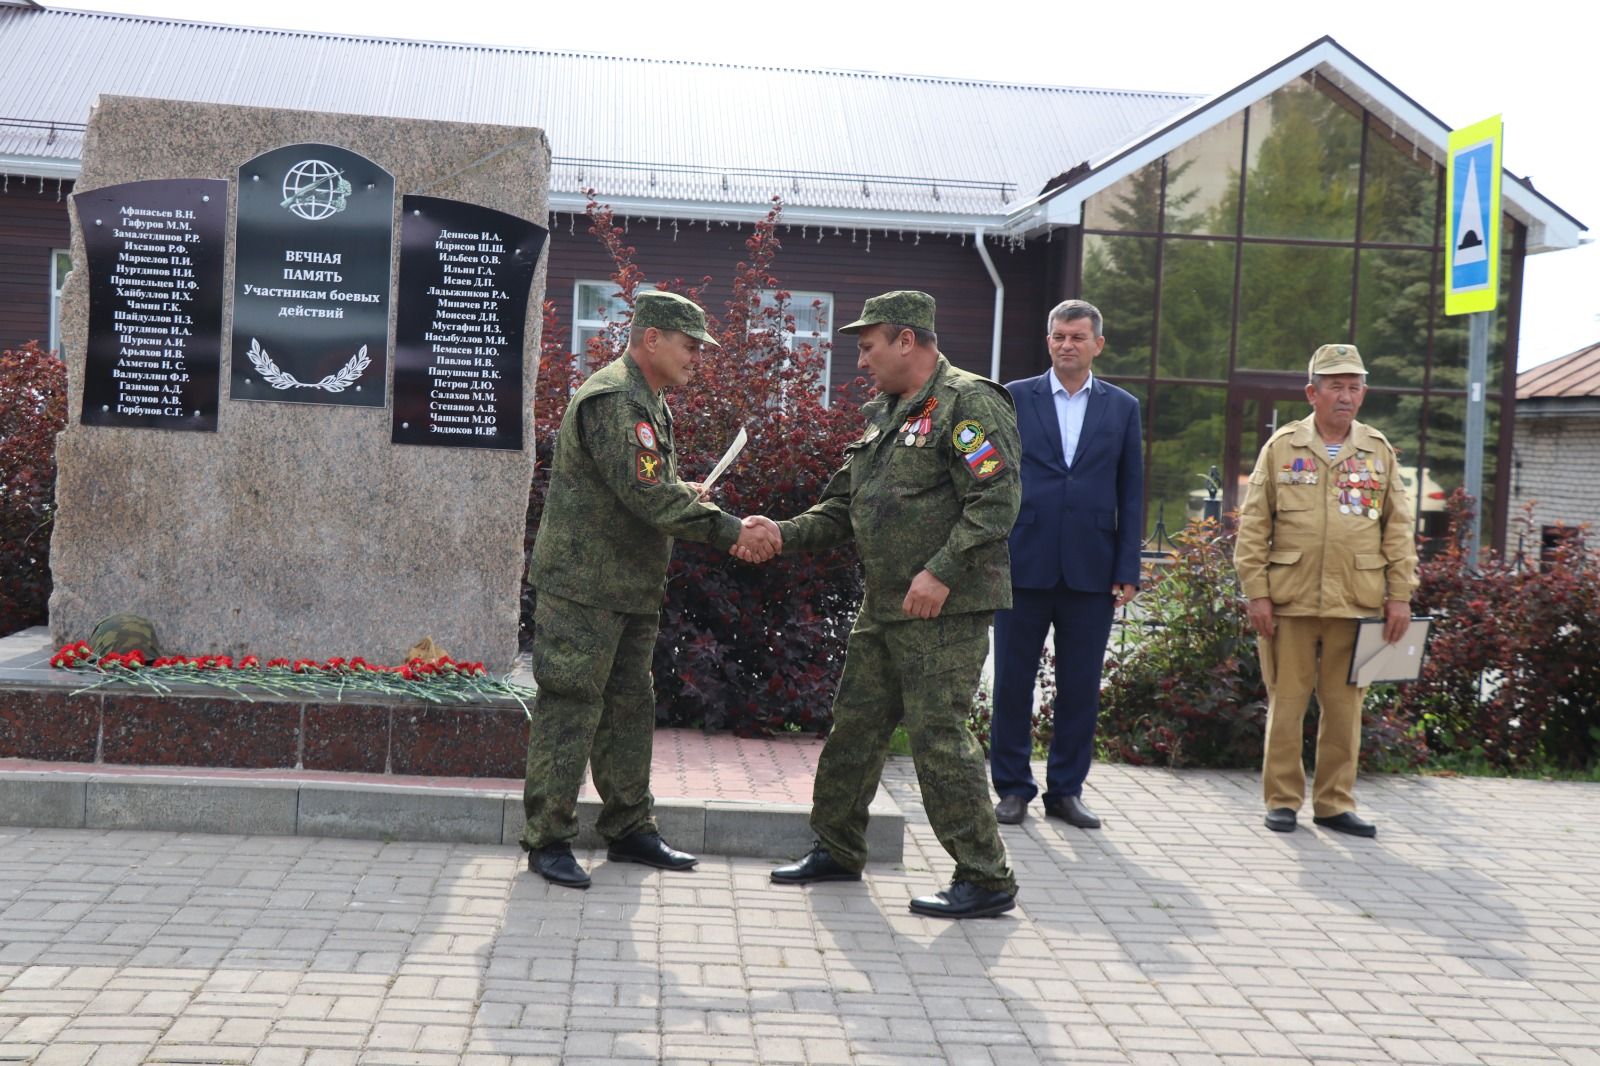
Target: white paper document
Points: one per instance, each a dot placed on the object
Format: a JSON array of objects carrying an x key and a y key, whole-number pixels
[{"x": 739, "y": 441}]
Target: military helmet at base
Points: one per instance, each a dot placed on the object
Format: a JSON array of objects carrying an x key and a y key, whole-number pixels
[{"x": 122, "y": 633}]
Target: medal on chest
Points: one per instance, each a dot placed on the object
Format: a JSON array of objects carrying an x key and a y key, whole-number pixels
[
  {"x": 1360, "y": 492},
  {"x": 914, "y": 432},
  {"x": 1299, "y": 471}
]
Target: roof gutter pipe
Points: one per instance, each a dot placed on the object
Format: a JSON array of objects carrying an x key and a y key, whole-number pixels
[{"x": 999, "y": 304}]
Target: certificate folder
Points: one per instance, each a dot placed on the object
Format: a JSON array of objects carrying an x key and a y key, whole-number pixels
[{"x": 1375, "y": 660}]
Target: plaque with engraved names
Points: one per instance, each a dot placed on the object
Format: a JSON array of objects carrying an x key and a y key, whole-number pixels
[
  {"x": 155, "y": 253},
  {"x": 311, "y": 281},
  {"x": 465, "y": 274}
]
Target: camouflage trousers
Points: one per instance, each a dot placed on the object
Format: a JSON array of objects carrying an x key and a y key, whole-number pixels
[
  {"x": 924, "y": 673},
  {"x": 596, "y": 709}
]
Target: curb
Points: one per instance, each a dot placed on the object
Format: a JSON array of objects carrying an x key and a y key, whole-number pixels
[{"x": 305, "y": 806}]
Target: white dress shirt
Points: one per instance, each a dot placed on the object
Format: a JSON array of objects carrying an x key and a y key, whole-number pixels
[{"x": 1070, "y": 409}]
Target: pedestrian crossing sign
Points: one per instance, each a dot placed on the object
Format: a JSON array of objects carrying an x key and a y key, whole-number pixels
[{"x": 1472, "y": 218}]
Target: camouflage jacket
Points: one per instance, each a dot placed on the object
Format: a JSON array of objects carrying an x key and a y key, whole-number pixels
[
  {"x": 945, "y": 502},
  {"x": 615, "y": 502}
]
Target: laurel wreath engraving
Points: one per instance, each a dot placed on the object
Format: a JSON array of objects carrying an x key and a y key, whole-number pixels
[{"x": 278, "y": 378}]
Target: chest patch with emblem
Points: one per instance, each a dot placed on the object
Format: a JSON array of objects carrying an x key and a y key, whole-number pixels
[{"x": 646, "y": 435}]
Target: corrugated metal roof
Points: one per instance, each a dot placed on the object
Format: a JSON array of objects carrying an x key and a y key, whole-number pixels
[
  {"x": 652, "y": 129},
  {"x": 1572, "y": 377}
]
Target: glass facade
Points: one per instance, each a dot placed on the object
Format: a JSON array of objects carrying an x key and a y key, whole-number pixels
[{"x": 1301, "y": 221}]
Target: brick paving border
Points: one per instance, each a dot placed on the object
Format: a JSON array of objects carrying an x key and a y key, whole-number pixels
[{"x": 1181, "y": 934}]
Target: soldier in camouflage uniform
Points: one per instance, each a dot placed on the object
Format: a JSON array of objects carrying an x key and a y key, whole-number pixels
[
  {"x": 599, "y": 564},
  {"x": 929, "y": 494}
]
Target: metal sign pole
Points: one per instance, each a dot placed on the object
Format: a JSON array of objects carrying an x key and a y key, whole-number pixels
[
  {"x": 1477, "y": 373},
  {"x": 1472, "y": 282}
]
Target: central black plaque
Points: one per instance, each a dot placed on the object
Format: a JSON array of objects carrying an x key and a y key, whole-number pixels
[
  {"x": 154, "y": 253},
  {"x": 465, "y": 271},
  {"x": 311, "y": 287}
]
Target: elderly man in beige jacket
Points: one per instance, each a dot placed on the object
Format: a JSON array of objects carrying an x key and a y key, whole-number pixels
[{"x": 1325, "y": 537}]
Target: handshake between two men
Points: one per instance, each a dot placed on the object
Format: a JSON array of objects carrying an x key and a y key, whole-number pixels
[{"x": 759, "y": 540}]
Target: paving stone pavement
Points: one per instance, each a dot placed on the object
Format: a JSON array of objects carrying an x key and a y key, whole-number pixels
[{"x": 1182, "y": 933}]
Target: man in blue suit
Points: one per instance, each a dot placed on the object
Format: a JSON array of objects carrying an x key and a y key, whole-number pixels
[{"x": 1074, "y": 560}]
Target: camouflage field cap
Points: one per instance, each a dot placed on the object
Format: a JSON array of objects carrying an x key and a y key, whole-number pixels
[
  {"x": 906, "y": 307},
  {"x": 668, "y": 310},
  {"x": 1336, "y": 359},
  {"x": 122, "y": 633}
]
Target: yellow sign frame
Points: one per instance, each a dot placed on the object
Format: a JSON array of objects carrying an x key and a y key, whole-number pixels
[{"x": 1472, "y": 256}]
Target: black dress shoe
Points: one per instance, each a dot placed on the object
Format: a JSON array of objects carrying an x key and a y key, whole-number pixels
[
  {"x": 1281, "y": 819},
  {"x": 818, "y": 865},
  {"x": 1348, "y": 822},
  {"x": 1072, "y": 811},
  {"x": 1011, "y": 810},
  {"x": 555, "y": 864},
  {"x": 649, "y": 849},
  {"x": 963, "y": 899}
]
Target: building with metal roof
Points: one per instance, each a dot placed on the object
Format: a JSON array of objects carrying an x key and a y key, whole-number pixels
[
  {"x": 1556, "y": 463},
  {"x": 735, "y": 135},
  {"x": 1224, "y": 237}
]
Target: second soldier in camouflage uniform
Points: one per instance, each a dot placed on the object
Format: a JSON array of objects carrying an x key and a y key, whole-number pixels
[
  {"x": 929, "y": 494},
  {"x": 599, "y": 564}
]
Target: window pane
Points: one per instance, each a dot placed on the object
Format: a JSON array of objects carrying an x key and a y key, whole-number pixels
[
  {"x": 1203, "y": 181},
  {"x": 580, "y": 343},
  {"x": 1293, "y": 298},
  {"x": 1444, "y": 462},
  {"x": 1392, "y": 315},
  {"x": 1491, "y": 465},
  {"x": 1196, "y": 309},
  {"x": 1304, "y": 166},
  {"x": 1402, "y": 193},
  {"x": 1141, "y": 392},
  {"x": 1119, "y": 277},
  {"x": 1451, "y": 334},
  {"x": 812, "y": 312},
  {"x": 1130, "y": 204},
  {"x": 60, "y": 267},
  {"x": 598, "y": 302},
  {"x": 1497, "y": 324},
  {"x": 1187, "y": 441}
]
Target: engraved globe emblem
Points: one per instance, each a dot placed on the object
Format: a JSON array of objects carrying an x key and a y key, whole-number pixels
[{"x": 314, "y": 190}]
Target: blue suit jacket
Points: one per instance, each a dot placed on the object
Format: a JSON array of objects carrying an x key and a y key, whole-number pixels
[{"x": 1080, "y": 524}]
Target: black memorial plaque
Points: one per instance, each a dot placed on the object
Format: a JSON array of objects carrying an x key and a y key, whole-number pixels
[
  {"x": 465, "y": 272},
  {"x": 155, "y": 252},
  {"x": 311, "y": 284}
]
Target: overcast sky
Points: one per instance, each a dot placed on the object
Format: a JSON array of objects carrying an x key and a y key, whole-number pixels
[{"x": 1531, "y": 62}]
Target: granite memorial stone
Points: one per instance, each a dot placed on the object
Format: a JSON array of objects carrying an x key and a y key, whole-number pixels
[{"x": 295, "y": 529}]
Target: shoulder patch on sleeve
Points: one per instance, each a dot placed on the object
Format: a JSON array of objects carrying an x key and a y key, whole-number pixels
[
  {"x": 985, "y": 461},
  {"x": 645, "y": 434},
  {"x": 968, "y": 436},
  {"x": 647, "y": 466}
]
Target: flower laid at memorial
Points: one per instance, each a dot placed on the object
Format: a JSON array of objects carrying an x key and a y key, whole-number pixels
[{"x": 435, "y": 680}]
